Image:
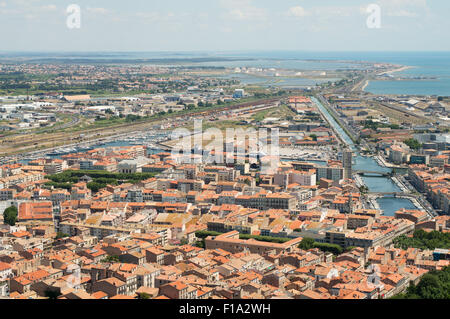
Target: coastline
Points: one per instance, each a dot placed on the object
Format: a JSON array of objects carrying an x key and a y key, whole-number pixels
[
  {"x": 400, "y": 69},
  {"x": 366, "y": 84}
]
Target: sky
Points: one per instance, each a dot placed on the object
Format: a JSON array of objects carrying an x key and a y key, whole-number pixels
[{"x": 225, "y": 25}]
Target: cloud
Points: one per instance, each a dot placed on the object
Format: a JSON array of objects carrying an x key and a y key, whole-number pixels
[
  {"x": 297, "y": 12},
  {"x": 226, "y": 30},
  {"x": 50, "y": 7},
  {"x": 335, "y": 11},
  {"x": 97, "y": 10},
  {"x": 402, "y": 13},
  {"x": 150, "y": 17},
  {"x": 202, "y": 15},
  {"x": 404, "y": 8},
  {"x": 31, "y": 10},
  {"x": 243, "y": 10},
  {"x": 248, "y": 14},
  {"x": 416, "y": 3},
  {"x": 326, "y": 11}
]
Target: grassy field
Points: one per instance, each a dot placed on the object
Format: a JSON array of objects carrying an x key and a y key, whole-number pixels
[
  {"x": 281, "y": 112},
  {"x": 397, "y": 117}
]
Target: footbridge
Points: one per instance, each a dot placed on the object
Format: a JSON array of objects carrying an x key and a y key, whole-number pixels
[
  {"x": 393, "y": 194},
  {"x": 372, "y": 173}
]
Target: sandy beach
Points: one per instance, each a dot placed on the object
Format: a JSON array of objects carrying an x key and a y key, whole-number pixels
[
  {"x": 403, "y": 68},
  {"x": 365, "y": 85},
  {"x": 400, "y": 69}
]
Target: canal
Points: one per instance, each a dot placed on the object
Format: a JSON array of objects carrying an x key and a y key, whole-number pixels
[{"x": 376, "y": 184}]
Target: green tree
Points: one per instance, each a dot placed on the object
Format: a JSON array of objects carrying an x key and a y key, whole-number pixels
[
  {"x": 424, "y": 240},
  {"x": 60, "y": 235},
  {"x": 332, "y": 248},
  {"x": 200, "y": 244},
  {"x": 10, "y": 215},
  {"x": 413, "y": 143},
  {"x": 363, "y": 189},
  {"x": 433, "y": 285},
  {"x": 307, "y": 243},
  {"x": 143, "y": 295},
  {"x": 204, "y": 233},
  {"x": 111, "y": 259},
  {"x": 95, "y": 187},
  {"x": 429, "y": 287}
]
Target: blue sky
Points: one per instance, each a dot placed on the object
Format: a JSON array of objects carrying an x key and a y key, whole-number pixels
[{"x": 224, "y": 25}]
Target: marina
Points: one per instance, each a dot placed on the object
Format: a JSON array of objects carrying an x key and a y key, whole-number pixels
[
  {"x": 376, "y": 184},
  {"x": 149, "y": 139}
]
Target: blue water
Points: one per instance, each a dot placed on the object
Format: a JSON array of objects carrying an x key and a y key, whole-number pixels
[
  {"x": 430, "y": 64},
  {"x": 423, "y": 87},
  {"x": 388, "y": 204},
  {"x": 150, "y": 151},
  {"x": 381, "y": 185},
  {"x": 426, "y": 64},
  {"x": 363, "y": 163},
  {"x": 279, "y": 81},
  {"x": 335, "y": 124},
  {"x": 298, "y": 63}
]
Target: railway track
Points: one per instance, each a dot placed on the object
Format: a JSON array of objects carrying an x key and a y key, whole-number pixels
[{"x": 26, "y": 145}]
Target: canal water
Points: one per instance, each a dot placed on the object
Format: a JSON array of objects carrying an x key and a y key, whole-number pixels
[{"x": 376, "y": 184}]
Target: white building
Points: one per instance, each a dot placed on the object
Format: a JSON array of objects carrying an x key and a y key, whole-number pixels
[
  {"x": 238, "y": 93},
  {"x": 132, "y": 166}
]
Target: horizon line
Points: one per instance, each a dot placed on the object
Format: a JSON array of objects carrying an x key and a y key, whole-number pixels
[{"x": 222, "y": 51}]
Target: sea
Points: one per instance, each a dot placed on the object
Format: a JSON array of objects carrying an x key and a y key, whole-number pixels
[
  {"x": 424, "y": 64},
  {"x": 434, "y": 65}
]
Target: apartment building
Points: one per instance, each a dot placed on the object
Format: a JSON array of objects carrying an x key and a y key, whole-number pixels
[
  {"x": 178, "y": 290},
  {"x": 230, "y": 242}
]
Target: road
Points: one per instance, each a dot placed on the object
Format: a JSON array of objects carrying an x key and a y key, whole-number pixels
[
  {"x": 75, "y": 120},
  {"x": 360, "y": 85},
  {"x": 402, "y": 110}
]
